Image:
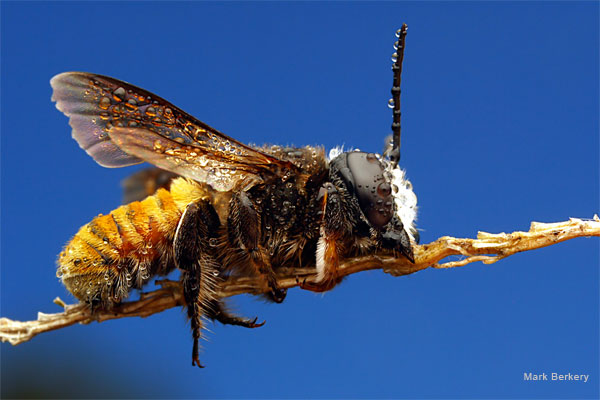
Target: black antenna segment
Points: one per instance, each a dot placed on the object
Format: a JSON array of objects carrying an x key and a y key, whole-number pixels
[{"x": 394, "y": 102}]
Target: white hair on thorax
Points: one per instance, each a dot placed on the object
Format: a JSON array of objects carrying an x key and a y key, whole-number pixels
[
  {"x": 405, "y": 200},
  {"x": 337, "y": 150}
]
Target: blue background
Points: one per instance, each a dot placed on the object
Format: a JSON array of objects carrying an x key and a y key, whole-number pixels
[{"x": 500, "y": 128}]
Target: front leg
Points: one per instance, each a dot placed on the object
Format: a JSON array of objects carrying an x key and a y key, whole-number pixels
[
  {"x": 335, "y": 224},
  {"x": 243, "y": 226},
  {"x": 193, "y": 256}
]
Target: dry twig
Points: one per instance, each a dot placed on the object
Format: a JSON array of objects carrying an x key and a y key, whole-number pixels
[{"x": 487, "y": 248}]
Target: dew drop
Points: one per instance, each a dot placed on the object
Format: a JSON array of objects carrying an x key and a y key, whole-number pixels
[
  {"x": 391, "y": 103},
  {"x": 119, "y": 94},
  {"x": 372, "y": 158},
  {"x": 104, "y": 103},
  {"x": 384, "y": 189},
  {"x": 151, "y": 111}
]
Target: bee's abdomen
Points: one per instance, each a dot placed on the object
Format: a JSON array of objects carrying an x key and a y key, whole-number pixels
[{"x": 121, "y": 250}]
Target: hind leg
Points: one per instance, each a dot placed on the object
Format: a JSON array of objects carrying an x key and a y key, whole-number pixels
[{"x": 193, "y": 256}]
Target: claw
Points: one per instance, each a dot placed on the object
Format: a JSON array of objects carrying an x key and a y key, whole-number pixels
[
  {"x": 277, "y": 295},
  {"x": 302, "y": 284},
  {"x": 253, "y": 324},
  {"x": 196, "y": 361}
]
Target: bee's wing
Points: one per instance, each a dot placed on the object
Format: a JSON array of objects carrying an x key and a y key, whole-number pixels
[{"x": 119, "y": 124}]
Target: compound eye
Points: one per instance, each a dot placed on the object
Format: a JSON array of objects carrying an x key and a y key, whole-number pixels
[{"x": 373, "y": 192}]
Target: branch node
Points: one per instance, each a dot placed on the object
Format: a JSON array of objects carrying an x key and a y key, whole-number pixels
[{"x": 59, "y": 302}]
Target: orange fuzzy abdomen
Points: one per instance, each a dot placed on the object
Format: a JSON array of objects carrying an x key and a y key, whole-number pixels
[{"x": 123, "y": 249}]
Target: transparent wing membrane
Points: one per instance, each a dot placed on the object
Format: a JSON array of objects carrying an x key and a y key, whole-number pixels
[{"x": 119, "y": 124}]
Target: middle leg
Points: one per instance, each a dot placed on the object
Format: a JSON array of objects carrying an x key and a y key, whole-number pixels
[
  {"x": 216, "y": 310},
  {"x": 243, "y": 226}
]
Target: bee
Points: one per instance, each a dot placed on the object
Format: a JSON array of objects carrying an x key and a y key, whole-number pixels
[{"x": 213, "y": 207}]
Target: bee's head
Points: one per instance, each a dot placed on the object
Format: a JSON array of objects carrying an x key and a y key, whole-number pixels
[
  {"x": 363, "y": 175},
  {"x": 385, "y": 197}
]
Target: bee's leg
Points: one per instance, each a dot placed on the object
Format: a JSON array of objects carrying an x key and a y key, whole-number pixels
[
  {"x": 192, "y": 254},
  {"x": 216, "y": 310},
  {"x": 243, "y": 224},
  {"x": 327, "y": 267},
  {"x": 334, "y": 225}
]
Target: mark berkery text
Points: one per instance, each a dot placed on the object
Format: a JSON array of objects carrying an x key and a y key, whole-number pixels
[{"x": 554, "y": 376}]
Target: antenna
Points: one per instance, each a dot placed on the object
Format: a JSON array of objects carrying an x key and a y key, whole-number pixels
[{"x": 394, "y": 102}]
